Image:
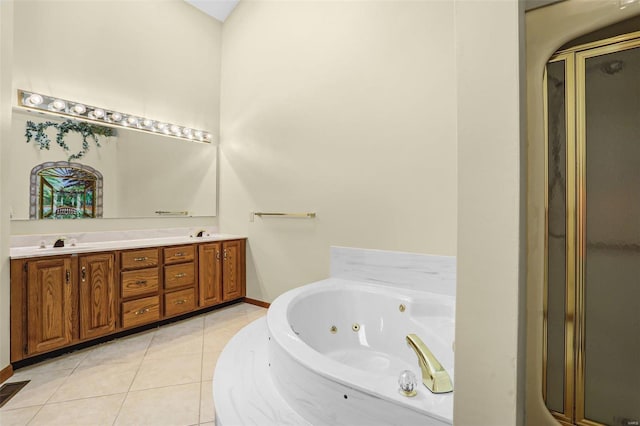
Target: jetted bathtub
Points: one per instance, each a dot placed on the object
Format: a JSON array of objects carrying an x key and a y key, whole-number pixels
[{"x": 336, "y": 348}]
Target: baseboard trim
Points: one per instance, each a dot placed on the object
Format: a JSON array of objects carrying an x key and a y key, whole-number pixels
[
  {"x": 256, "y": 302},
  {"x": 5, "y": 373}
]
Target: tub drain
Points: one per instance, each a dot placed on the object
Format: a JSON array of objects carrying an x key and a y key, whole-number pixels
[{"x": 355, "y": 327}]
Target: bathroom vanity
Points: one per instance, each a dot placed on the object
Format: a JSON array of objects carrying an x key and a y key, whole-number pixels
[{"x": 78, "y": 294}]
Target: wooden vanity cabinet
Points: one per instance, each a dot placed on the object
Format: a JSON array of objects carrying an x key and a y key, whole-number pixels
[
  {"x": 140, "y": 311},
  {"x": 97, "y": 292},
  {"x": 62, "y": 300},
  {"x": 221, "y": 272},
  {"x": 139, "y": 290},
  {"x": 179, "y": 280},
  {"x": 50, "y": 305},
  {"x": 233, "y": 270},
  {"x": 210, "y": 273}
]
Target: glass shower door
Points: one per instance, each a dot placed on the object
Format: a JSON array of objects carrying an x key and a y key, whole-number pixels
[
  {"x": 608, "y": 140},
  {"x": 591, "y": 363}
]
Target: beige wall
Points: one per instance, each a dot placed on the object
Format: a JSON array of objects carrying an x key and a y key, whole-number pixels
[
  {"x": 489, "y": 311},
  {"x": 342, "y": 108},
  {"x": 6, "y": 56},
  {"x": 159, "y": 59},
  {"x": 548, "y": 28},
  {"x": 381, "y": 117}
]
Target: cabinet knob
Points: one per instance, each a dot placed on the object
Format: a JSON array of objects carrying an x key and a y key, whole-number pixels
[
  {"x": 180, "y": 254},
  {"x": 180, "y": 301},
  {"x": 141, "y": 311},
  {"x": 225, "y": 254},
  {"x": 68, "y": 276},
  {"x": 140, "y": 259},
  {"x": 217, "y": 255},
  {"x": 84, "y": 273},
  {"x": 180, "y": 275},
  {"x": 141, "y": 283}
]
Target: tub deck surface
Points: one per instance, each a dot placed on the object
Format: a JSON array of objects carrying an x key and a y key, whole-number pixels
[{"x": 243, "y": 391}]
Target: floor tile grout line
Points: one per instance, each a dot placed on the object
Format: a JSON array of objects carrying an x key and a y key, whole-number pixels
[
  {"x": 34, "y": 415},
  {"x": 59, "y": 386},
  {"x": 201, "y": 370},
  {"x": 83, "y": 398},
  {"x": 115, "y": 419}
]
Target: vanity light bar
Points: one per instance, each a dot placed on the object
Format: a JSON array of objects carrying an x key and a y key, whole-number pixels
[{"x": 57, "y": 106}]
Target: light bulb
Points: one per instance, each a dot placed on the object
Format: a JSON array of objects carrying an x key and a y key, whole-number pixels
[
  {"x": 147, "y": 123},
  {"x": 98, "y": 113},
  {"x": 116, "y": 116},
  {"x": 59, "y": 105},
  {"x": 175, "y": 129},
  {"x": 34, "y": 99},
  {"x": 79, "y": 109},
  {"x": 187, "y": 132},
  {"x": 198, "y": 134},
  {"x": 161, "y": 126},
  {"x": 207, "y": 136},
  {"x": 132, "y": 121}
]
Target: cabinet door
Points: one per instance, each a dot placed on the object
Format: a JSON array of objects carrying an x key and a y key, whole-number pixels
[
  {"x": 233, "y": 269},
  {"x": 97, "y": 295},
  {"x": 210, "y": 273},
  {"x": 50, "y": 304}
]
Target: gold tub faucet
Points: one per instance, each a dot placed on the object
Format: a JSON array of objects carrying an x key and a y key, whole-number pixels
[{"x": 434, "y": 376}]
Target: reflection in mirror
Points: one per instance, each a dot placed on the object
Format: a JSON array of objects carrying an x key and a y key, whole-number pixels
[
  {"x": 129, "y": 174},
  {"x": 63, "y": 190}
]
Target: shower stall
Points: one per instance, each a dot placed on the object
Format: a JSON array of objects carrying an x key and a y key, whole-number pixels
[{"x": 591, "y": 360}]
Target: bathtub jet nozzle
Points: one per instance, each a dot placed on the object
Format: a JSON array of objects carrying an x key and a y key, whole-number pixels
[{"x": 434, "y": 376}]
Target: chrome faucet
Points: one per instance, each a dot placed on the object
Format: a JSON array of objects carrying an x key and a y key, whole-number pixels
[{"x": 434, "y": 376}]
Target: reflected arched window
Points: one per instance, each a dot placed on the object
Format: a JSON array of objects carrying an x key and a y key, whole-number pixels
[{"x": 63, "y": 190}]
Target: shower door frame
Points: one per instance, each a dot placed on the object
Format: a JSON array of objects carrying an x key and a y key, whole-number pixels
[
  {"x": 566, "y": 416},
  {"x": 575, "y": 211}
]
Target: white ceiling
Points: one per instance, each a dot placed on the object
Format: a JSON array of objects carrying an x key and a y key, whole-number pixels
[{"x": 219, "y": 9}]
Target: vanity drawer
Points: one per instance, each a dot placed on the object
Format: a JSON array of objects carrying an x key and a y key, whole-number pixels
[
  {"x": 140, "y": 311},
  {"x": 139, "y": 282},
  {"x": 137, "y": 259},
  {"x": 179, "y": 254},
  {"x": 179, "y": 275},
  {"x": 179, "y": 302}
]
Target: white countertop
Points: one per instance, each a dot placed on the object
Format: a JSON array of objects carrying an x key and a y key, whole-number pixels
[{"x": 98, "y": 246}]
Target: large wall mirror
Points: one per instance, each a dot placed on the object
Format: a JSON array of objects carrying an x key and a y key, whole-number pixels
[{"x": 130, "y": 175}]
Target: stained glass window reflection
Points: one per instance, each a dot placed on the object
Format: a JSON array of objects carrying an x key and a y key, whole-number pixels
[{"x": 65, "y": 191}]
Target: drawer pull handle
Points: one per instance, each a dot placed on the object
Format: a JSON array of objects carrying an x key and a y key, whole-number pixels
[
  {"x": 180, "y": 275},
  {"x": 141, "y": 311},
  {"x": 180, "y": 254},
  {"x": 140, "y": 259},
  {"x": 141, "y": 283},
  {"x": 180, "y": 302}
]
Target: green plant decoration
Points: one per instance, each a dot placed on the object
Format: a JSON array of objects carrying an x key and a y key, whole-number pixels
[{"x": 37, "y": 132}]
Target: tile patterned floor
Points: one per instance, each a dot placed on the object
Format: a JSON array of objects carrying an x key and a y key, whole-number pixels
[{"x": 160, "y": 377}]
